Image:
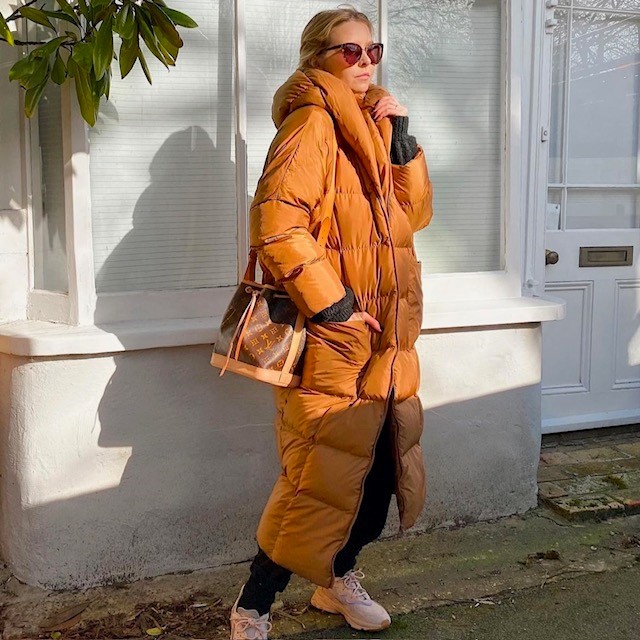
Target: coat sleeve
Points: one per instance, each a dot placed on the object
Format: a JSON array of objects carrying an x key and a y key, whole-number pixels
[
  {"x": 414, "y": 190},
  {"x": 293, "y": 183}
]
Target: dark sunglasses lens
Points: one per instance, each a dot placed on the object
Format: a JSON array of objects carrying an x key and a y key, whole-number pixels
[
  {"x": 352, "y": 52},
  {"x": 375, "y": 53}
]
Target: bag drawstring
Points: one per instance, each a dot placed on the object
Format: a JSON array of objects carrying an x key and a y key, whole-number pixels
[{"x": 241, "y": 328}]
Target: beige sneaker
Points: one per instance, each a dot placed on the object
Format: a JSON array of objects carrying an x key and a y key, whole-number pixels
[
  {"x": 348, "y": 597},
  {"x": 247, "y": 624}
]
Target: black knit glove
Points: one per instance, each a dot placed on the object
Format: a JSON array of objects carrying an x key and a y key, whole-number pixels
[
  {"x": 403, "y": 146},
  {"x": 339, "y": 311}
]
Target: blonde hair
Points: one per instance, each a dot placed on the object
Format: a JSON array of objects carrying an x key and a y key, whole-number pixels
[{"x": 316, "y": 34}]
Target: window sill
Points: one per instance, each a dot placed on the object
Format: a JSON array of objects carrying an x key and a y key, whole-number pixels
[{"x": 39, "y": 338}]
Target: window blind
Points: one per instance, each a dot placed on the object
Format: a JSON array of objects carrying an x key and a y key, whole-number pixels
[
  {"x": 162, "y": 166},
  {"x": 444, "y": 65},
  {"x": 273, "y": 42}
]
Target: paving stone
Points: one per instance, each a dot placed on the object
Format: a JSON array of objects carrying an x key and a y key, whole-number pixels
[
  {"x": 557, "y": 457},
  {"x": 630, "y": 498},
  {"x": 583, "y": 485},
  {"x": 598, "y": 453},
  {"x": 549, "y": 473},
  {"x": 586, "y": 507},
  {"x": 632, "y": 448},
  {"x": 550, "y": 490},
  {"x": 598, "y": 467}
]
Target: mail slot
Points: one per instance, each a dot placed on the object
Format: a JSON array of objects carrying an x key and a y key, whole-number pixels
[{"x": 606, "y": 256}]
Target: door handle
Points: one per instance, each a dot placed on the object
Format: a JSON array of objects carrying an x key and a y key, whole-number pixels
[{"x": 551, "y": 257}]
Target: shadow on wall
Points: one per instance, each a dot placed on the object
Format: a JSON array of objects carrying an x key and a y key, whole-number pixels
[
  {"x": 170, "y": 245},
  {"x": 202, "y": 461}
]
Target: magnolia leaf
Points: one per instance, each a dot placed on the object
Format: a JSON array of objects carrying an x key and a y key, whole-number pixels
[
  {"x": 47, "y": 49},
  {"x": 5, "y": 32},
  {"x": 33, "y": 95},
  {"x": 66, "y": 7},
  {"x": 149, "y": 37},
  {"x": 36, "y": 15},
  {"x": 180, "y": 18},
  {"x": 160, "y": 18},
  {"x": 126, "y": 22},
  {"x": 61, "y": 15},
  {"x": 24, "y": 67},
  {"x": 143, "y": 64},
  {"x": 39, "y": 74},
  {"x": 83, "y": 54},
  {"x": 85, "y": 9},
  {"x": 128, "y": 54},
  {"x": 59, "y": 70},
  {"x": 83, "y": 92},
  {"x": 103, "y": 49}
]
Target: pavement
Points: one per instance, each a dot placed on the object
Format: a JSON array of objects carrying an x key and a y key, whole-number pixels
[{"x": 562, "y": 570}]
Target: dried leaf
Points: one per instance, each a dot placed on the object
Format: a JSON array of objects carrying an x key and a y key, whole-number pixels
[{"x": 54, "y": 622}]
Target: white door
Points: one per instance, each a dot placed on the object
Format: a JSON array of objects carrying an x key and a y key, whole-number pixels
[{"x": 591, "y": 359}]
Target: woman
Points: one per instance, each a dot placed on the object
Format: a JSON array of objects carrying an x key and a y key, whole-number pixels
[{"x": 348, "y": 436}]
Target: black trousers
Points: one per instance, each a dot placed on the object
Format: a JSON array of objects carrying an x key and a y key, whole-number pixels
[{"x": 267, "y": 578}]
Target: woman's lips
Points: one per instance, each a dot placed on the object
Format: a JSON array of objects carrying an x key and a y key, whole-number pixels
[{"x": 363, "y": 76}]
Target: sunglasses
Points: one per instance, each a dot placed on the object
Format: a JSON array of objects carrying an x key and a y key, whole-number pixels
[{"x": 352, "y": 52}]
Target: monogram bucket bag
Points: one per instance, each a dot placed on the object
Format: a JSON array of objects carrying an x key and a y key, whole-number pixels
[{"x": 262, "y": 334}]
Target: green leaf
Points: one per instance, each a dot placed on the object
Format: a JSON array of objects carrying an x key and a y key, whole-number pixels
[
  {"x": 47, "y": 49},
  {"x": 180, "y": 18},
  {"x": 83, "y": 54},
  {"x": 85, "y": 9},
  {"x": 160, "y": 18},
  {"x": 39, "y": 74},
  {"x": 104, "y": 12},
  {"x": 5, "y": 32},
  {"x": 23, "y": 68},
  {"x": 61, "y": 15},
  {"x": 84, "y": 93},
  {"x": 125, "y": 23},
  {"x": 128, "y": 54},
  {"x": 148, "y": 36},
  {"x": 59, "y": 70},
  {"x": 32, "y": 97},
  {"x": 145, "y": 68},
  {"x": 36, "y": 15},
  {"x": 66, "y": 7},
  {"x": 103, "y": 49}
]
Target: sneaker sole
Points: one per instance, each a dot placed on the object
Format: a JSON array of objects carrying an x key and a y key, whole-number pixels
[{"x": 329, "y": 605}]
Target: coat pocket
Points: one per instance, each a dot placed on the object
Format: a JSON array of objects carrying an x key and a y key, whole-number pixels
[
  {"x": 335, "y": 355},
  {"x": 414, "y": 302}
]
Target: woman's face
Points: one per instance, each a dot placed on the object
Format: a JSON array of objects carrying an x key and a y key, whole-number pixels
[{"x": 358, "y": 76}]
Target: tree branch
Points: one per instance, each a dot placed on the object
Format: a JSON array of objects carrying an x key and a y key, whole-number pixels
[{"x": 16, "y": 14}]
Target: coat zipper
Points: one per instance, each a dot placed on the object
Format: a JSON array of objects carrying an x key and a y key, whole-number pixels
[{"x": 386, "y": 404}]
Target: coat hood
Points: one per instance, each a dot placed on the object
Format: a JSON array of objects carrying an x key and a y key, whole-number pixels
[{"x": 370, "y": 140}]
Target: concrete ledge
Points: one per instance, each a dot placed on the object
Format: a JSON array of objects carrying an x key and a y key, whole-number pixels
[{"x": 39, "y": 338}]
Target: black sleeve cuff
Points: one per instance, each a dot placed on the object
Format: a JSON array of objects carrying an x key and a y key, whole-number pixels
[
  {"x": 403, "y": 146},
  {"x": 339, "y": 311}
]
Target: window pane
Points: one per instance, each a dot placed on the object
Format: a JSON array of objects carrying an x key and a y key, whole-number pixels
[
  {"x": 49, "y": 236},
  {"x": 444, "y": 64},
  {"x": 608, "y": 4},
  {"x": 603, "y": 209},
  {"x": 558, "y": 96},
  {"x": 162, "y": 166},
  {"x": 273, "y": 42},
  {"x": 603, "y": 99}
]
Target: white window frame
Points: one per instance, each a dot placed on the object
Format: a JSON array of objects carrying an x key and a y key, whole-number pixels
[{"x": 83, "y": 306}]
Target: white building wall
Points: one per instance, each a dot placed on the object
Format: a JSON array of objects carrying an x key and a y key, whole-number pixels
[
  {"x": 14, "y": 280},
  {"x": 146, "y": 462}
]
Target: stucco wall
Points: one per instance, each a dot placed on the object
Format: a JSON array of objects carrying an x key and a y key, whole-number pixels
[{"x": 146, "y": 462}]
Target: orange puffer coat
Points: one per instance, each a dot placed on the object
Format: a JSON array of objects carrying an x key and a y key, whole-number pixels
[{"x": 327, "y": 427}]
